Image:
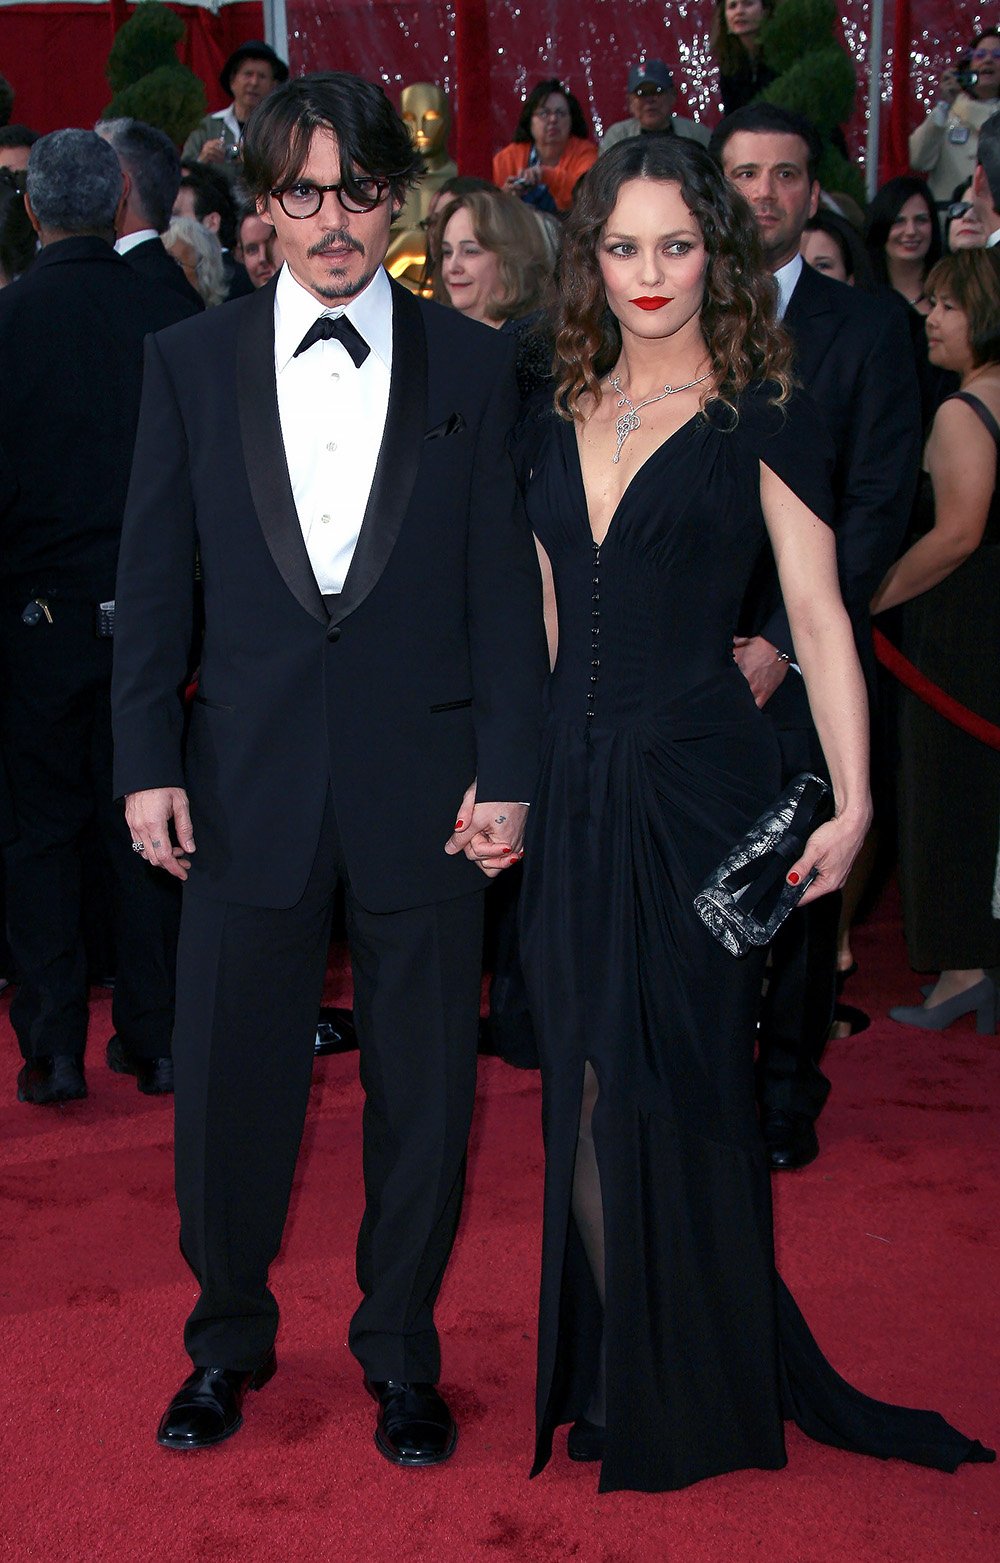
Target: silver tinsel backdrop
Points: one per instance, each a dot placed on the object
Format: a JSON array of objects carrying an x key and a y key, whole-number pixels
[{"x": 590, "y": 44}]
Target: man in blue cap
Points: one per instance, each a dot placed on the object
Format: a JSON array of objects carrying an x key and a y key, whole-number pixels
[{"x": 651, "y": 99}]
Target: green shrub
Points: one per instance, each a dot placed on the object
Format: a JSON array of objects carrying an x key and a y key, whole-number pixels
[
  {"x": 147, "y": 40},
  {"x": 170, "y": 97}
]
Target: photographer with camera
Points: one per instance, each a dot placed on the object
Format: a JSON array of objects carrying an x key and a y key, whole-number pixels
[{"x": 944, "y": 146}]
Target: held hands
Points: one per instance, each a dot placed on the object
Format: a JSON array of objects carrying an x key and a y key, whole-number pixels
[
  {"x": 148, "y": 815},
  {"x": 490, "y": 834},
  {"x": 831, "y": 850},
  {"x": 760, "y": 665}
]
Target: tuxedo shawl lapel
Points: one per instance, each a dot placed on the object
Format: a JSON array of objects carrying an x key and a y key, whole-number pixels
[
  {"x": 264, "y": 452},
  {"x": 811, "y": 319},
  {"x": 398, "y": 457}
]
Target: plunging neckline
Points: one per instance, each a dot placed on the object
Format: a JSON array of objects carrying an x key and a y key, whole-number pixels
[{"x": 628, "y": 487}]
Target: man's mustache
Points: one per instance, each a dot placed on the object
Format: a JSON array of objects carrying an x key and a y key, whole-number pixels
[{"x": 339, "y": 239}]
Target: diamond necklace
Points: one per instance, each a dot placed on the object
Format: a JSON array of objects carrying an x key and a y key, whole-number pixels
[{"x": 630, "y": 420}]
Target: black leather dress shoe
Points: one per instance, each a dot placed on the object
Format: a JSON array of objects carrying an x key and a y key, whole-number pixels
[
  {"x": 585, "y": 1440},
  {"x": 55, "y": 1079},
  {"x": 153, "y": 1076},
  {"x": 790, "y": 1139},
  {"x": 335, "y": 1031},
  {"x": 414, "y": 1425},
  {"x": 208, "y": 1407}
]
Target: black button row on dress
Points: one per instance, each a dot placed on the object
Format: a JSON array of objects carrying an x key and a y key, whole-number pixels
[{"x": 595, "y": 632}]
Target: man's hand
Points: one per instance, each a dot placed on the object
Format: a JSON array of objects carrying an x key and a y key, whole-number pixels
[
  {"x": 148, "y": 815},
  {"x": 490, "y": 834},
  {"x": 760, "y": 665},
  {"x": 213, "y": 151}
]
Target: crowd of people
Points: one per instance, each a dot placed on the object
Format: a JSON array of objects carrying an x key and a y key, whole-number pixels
[{"x": 382, "y": 602}]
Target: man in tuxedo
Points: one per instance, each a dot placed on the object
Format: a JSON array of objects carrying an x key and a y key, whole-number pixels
[
  {"x": 71, "y": 343},
  {"x": 152, "y": 172},
  {"x": 854, "y": 357},
  {"x": 373, "y": 655}
]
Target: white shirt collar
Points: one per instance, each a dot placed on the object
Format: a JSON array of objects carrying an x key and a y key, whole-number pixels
[
  {"x": 295, "y": 309},
  {"x": 786, "y": 277},
  {"x": 993, "y": 239},
  {"x": 232, "y": 124},
  {"x": 128, "y": 241}
]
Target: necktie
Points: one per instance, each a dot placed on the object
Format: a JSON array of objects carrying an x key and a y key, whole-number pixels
[{"x": 344, "y": 332}]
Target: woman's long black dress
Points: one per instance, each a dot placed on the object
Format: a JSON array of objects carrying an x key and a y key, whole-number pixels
[
  {"x": 949, "y": 782},
  {"x": 655, "y": 761}
]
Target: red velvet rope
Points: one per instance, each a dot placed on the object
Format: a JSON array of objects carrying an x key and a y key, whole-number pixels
[{"x": 919, "y": 684}]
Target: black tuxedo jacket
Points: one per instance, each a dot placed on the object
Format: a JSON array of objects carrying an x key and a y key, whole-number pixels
[
  {"x": 152, "y": 260},
  {"x": 426, "y": 674},
  {"x": 71, "y": 351},
  {"x": 853, "y": 355}
]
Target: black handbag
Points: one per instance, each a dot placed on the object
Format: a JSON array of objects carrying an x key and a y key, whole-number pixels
[{"x": 746, "y": 900}]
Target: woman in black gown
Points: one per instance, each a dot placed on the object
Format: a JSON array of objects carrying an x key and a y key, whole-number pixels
[{"x": 664, "y": 1329}]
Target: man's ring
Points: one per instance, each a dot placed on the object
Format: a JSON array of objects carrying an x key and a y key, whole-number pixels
[{"x": 137, "y": 846}]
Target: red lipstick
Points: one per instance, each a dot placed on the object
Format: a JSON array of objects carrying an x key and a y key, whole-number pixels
[{"x": 651, "y": 303}]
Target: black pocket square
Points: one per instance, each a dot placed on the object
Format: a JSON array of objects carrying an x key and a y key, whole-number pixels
[{"x": 451, "y": 425}]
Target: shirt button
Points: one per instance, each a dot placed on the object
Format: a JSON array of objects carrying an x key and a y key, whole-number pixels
[
  {"x": 335, "y": 375},
  {"x": 332, "y": 445},
  {"x": 324, "y": 519}
]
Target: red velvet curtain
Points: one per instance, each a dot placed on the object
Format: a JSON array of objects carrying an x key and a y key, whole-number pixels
[
  {"x": 54, "y": 56},
  {"x": 485, "y": 53},
  {"x": 895, "y": 144}
]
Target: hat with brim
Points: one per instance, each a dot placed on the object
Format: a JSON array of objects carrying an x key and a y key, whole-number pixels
[
  {"x": 256, "y": 49},
  {"x": 652, "y": 73}
]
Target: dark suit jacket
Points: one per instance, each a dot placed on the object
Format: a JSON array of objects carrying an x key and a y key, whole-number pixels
[
  {"x": 428, "y": 672},
  {"x": 237, "y": 278},
  {"x": 71, "y": 345},
  {"x": 152, "y": 260},
  {"x": 854, "y": 357}
]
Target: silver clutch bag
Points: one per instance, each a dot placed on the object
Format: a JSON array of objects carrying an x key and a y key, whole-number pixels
[{"x": 746, "y": 900}]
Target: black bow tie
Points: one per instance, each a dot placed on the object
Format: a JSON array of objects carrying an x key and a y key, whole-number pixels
[{"x": 325, "y": 327}]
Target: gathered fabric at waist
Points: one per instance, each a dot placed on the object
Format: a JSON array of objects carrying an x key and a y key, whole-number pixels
[{"x": 719, "y": 701}]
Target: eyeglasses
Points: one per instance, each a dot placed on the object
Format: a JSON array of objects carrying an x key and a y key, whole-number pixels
[
  {"x": 957, "y": 209},
  {"x": 303, "y": 199},
  {"x": 551, "y": 114},
  {"x": 986, "y": 54},
  {"x": 648, "y": 90}
]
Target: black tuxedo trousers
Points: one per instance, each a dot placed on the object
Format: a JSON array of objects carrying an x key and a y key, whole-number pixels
[{"x": 250, "y": 981}]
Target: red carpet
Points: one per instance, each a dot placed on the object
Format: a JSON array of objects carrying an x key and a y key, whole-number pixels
[{"x": 888, "y": 1241}]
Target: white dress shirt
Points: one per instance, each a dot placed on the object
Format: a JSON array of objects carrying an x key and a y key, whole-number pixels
[
  {"x": 128, "y": 241},
  {"x": 786, "y": 277},
  {"x": 993, "y": 240},
  {"x": 332, "y": 417}
]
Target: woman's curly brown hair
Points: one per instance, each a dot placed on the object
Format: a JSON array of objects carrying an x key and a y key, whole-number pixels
[{"x": 738, "y": 315}]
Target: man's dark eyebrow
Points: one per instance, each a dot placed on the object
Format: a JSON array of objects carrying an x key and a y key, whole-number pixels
[{"x": 796, "y": 168}]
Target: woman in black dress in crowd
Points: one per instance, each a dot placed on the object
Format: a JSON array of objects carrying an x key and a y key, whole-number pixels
[
  {"x": 665, "y": 1335},
  {"x": 734, "y": 37},
  {"x": 904, "y": 241},
  {"x": 948, "y": 581}
]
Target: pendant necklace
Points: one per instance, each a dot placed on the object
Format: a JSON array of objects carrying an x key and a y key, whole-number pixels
[{"x": 630, "y": 420}]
